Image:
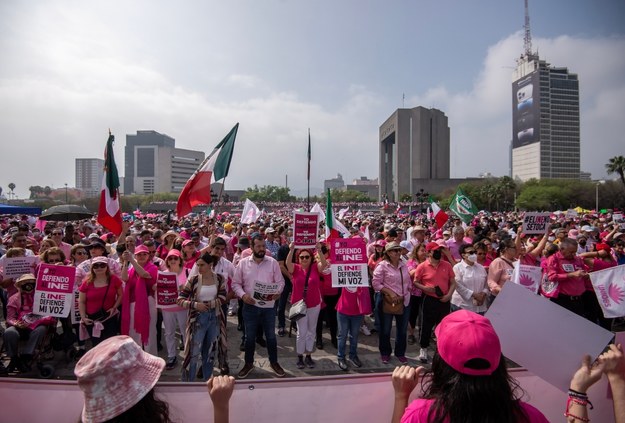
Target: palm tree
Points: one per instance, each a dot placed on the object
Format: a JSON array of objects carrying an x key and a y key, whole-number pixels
[{"x": 617, "y": 165}]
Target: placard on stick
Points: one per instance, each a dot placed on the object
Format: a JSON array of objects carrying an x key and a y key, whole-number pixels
[
  {"x": 54, "y": 291},
  {"x": 305, "y": 226},
  {"x": 545, "y": 338},
  {"x": 535, "y": 223},
  {"x": 349, "y": 262}
]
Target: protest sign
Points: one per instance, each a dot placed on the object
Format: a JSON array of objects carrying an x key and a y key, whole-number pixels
[
  {"x": 609, "y": 285},
  {"x": 535, "y": 223},
  {"x": 263, "y": 293},
  {"x": 75, "y": 310},
  {"x": 571, "y": 214},
  {"x": 54, "y": 291},
  {"x": 527, "y": 276},
  {"x": 545, "y": 338},
  {"x": 166, "y": 290},
  {"x": 305, "y": 227},
  {"x": 15, "y": 267},
  {"x": 349, "y": 262}
]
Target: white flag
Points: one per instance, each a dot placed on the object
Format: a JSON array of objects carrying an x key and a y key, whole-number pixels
[
  {"x": 250, "y": 213},
  {"x": 609, "y": 285},
  {"x": 317, "y": 209},
  {"x": 527, "y": 276},
  {"x": 342, "y": 212}
]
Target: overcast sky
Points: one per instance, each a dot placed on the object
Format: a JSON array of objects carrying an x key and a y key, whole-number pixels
[{"x": 70, "y": 70}]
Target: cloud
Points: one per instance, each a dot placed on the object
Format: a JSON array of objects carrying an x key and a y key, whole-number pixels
[{"x": 480, "y": 118}]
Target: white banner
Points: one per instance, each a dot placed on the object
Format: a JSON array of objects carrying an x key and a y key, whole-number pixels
[{"x": 609, "y": 285}]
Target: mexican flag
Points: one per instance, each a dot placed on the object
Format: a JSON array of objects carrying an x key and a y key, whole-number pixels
[
  {"x": 439, "y": 215},
  {"x": 463, "y": 206},
  {"x": 197, "y": 190},
  {"x": 334, "y": 228},
  {"x": 109, "y": 211}
]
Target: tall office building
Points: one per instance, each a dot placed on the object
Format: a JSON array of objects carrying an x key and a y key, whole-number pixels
[
  {"x": 545, "y": 118},
  {"x": 89, "y": 173},
  {"x": 154, "y": 164},
  {"x": 414, "y": 151}
]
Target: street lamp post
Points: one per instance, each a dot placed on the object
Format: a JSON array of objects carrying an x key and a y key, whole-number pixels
[
  {"x": 597, "y": 195},
  {"x": 65, "y": 192}
]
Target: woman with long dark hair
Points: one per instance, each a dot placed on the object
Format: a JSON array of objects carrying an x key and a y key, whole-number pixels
[
  {"x": 203, "y": 296},
  {"x": 469, "y": 381}
]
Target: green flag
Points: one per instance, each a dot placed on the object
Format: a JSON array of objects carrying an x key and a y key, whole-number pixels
[{"x": 462, "y": 206}]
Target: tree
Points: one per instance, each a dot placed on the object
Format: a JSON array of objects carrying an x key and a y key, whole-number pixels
[
  {"x": 405, "y": 198},
  {"x": 268, "y": 193},
  {"x": 11, "y": 187},
  {"x": 616, "y": 165},
  {"x": 349, "y": 196}
]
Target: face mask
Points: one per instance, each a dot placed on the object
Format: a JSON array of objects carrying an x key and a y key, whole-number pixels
[
  {"x": 551, "y": 238},
  {"x": 437, "y": 254},
  {"x": 472, "y": 257}
]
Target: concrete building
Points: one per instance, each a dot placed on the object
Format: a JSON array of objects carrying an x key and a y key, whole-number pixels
[
  {"x": 369, "y": 187},
  {"x": 154, "y": 164},
  {"x": 545, "y": 121},
  {"x": 334, "y": 183},
  {"x": 414, "y": 152},
  {"x": 89, "y": 173}
]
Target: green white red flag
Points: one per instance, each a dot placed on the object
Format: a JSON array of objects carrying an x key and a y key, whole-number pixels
[
  {"x": 334, "y": 228},
  {"x": 197, "y": 190},
  {"x": 439, "y": 215},
  {"x": 109, "y": 211}
]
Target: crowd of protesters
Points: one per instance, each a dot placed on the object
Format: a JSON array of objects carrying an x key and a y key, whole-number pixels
[{"x": 418, "y": 272}]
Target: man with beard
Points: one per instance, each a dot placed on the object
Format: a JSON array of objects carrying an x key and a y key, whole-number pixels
[{"x": 258, "y": 282}]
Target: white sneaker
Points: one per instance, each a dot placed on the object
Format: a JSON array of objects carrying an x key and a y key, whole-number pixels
[
  {"x": 423, "y": 355},
  {"x": 365, "y": 330}
]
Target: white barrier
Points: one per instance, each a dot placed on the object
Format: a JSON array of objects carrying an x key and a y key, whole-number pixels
[{"x": 350, "y": 398}]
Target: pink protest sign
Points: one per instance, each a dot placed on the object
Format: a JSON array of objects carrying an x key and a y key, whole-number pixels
[
  {"x": 54, "y": 290},
  {"x": 305, "y": 229},
  {"x": 166, "y": 290},
  {"x": 349, "y": 262}
]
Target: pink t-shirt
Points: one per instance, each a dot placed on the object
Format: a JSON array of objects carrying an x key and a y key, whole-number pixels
[
  {"x": 95, "y": 295},
  {"x": 350, "y": 305},
  {"x": 313, "y": 295},
  {"x": 417, "y": 412}
]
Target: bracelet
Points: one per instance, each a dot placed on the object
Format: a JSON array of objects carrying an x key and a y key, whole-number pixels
[
  {"x": 582, "y": 419},
  {"x": 578, "y": 398}
]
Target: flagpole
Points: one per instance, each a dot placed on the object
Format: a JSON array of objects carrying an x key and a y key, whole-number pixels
[
  {"x": 308, "y": 193},
  {"x": 223, "y": 184}
]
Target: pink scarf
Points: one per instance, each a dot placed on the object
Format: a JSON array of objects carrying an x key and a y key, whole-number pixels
[{"x": 142, "y": 309}]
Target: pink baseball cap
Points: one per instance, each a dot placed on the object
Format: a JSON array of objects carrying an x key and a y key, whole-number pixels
[
  {"x": 142, "y": 249},
  {"x": 173, "y": 252},
  {"x": 463, "y": 336},
  {"x": 114, "y": 376},
  {"x": 187, "y": 242}
]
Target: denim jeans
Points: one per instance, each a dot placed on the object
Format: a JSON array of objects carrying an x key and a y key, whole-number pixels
[
  {"x": 377, "y": 304},
  {"x": 401, "y": 327},
  {"x": 348, "y": 326},
  {"x": 204, "y": 343},
  {"x": 253, "y": 317},
  {"x": 284, "y": 298}
]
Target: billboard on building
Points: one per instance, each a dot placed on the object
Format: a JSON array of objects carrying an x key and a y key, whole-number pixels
[{"x": 526, "y": 110}]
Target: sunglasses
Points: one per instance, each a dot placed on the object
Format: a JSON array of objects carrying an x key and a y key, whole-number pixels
[
  {"x": 469, "y": 252},
  {"x": 99, "y": 266},
  {"x": 54, "y": 261},
  {"x": 304, "y": 257},
  {"x": 173, "y": 258},
  {"x": 57, "y": 233},
  {"x": 81, "y": 253}
]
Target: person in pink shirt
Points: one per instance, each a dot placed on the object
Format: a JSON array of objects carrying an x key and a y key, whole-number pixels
[
  {"x": 174, "y": 317},
  {"x": 329, "y": 296},
  {"x": 417, "y": 256},
  {"x": 306, "y": 274},
  {"x": 469, "y": 379},
  {"x": 100, "y": 295},
  {"x": 351, "y": 308},
  {"x": 391, "y": 280},
  {"x": 569, "y": 272},
  {"x": 500, "y": 270},
  {"x": 435, "y": 277},
  {"x": 139, "y": 303}
]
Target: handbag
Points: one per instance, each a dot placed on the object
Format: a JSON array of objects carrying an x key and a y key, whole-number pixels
[
  {"x": 390, "y": 307},
  {"x": 298, "y": 310}
]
